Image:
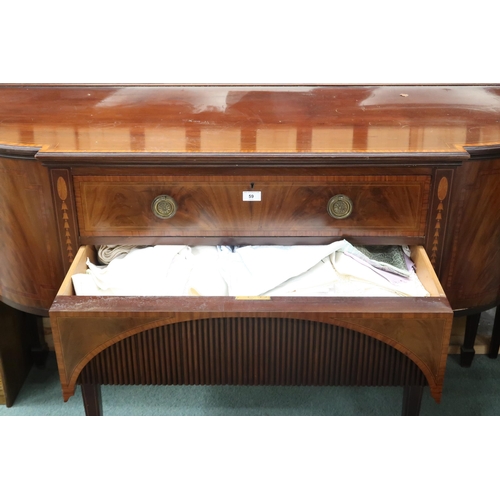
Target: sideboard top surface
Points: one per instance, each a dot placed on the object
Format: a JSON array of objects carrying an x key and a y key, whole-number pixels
[{"x": 93, "y": 119}]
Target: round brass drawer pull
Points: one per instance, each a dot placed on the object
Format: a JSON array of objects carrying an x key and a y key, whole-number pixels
[
  {"x": 339, "y": 206},
  {"x": 164, "y": 206}
]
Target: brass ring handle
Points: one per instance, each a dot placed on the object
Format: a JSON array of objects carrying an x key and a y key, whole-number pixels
[
  {"x": 164, "y": 206},
  {"x": 339, "y": 206}
]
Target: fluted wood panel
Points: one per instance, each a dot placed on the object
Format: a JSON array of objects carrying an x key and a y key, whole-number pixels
[{"x": 251, "y": 351}]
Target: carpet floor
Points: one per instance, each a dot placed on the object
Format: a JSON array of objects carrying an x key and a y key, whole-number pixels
[{"x": 467, "y": 391}]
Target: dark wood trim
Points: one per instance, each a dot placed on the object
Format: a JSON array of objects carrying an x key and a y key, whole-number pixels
[
  {"x": 181, "y": 171},
  {"x": 457, "y": 313},
  {"x": 483, "y": 152},
  {"x": 240, "y": 160},
  {"x": 246, "y": 240},
  {"x": 37, "y": 311},
  {"x": 18, "y": 152}
]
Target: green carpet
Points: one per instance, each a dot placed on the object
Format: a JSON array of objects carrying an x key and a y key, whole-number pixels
[{"x": 467, "y": 391}]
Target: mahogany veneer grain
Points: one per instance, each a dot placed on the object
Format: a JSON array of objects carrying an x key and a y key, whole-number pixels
[{"x": 79, "y": 164}]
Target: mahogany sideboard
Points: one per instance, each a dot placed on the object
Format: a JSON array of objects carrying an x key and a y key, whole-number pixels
[{"x": 80, "y": 165}]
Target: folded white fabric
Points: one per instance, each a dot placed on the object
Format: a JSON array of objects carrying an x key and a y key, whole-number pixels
[
  {"x": 205, "y": 278},
  {"x": 143, "y": 271},
  {"x": 85, "y": 285},
  {"x": 161, "y": 270},
  {"x": 301, "y": 270},
  {"x": 317, "y": 281},
  {"x": 254, "y": 270},
  {"x": 340, "y": 275}
]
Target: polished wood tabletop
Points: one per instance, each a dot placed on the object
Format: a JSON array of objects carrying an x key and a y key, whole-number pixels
[{"x": 249, "y": 119}]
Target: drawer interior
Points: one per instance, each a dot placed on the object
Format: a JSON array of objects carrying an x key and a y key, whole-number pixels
[{"x": 423, "y": 267}]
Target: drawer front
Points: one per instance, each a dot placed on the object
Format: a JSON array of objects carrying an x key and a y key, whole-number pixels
[{"x": 274, "y": 206}]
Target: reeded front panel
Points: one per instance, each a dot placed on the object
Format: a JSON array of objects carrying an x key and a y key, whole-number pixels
[
  {"x": 251, "y": 351},
  {"x": 235, "y": 206}
]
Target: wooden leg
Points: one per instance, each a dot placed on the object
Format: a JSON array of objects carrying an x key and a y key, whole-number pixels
[
  {"x": 467, "y": 350},
  {"x": 16, "y": 331},
  {"x": 412, "y": 399},
  {"x": 92, "y": 400},
  {"x": 39, "y": 348},
  {"x": 495, "y": 336}
]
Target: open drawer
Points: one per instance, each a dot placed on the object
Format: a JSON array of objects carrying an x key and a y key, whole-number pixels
[{"x": 251, "y": 340}]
